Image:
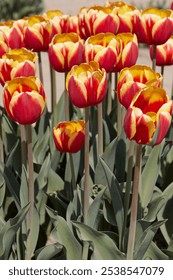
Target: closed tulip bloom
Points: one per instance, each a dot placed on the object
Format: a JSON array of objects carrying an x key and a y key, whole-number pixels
[
  {"x": 98, "y": 19},
  {"x": 128, "y": 16},
  {"x": 37, "y": 33},
  {"x": 164, "y": 53},
  {"x": 148, "y": 118},
  {"x": 3, "y": 43},
  {"x": 87, "y": 84},
  {"x": 133, "y": 79},
  {"x": 104, "y": 48},
  {"x": 69, "y": 136},
  {"x": 155, "y": 26},
  {"x": 129, "y": 54},
  {"x": 17, "y": 63},
  {"x": 24, "y": 99},
  {"x": 65, "y": 50},
  {"x": 58, "y": 22},
  {"x": 14, "y": 33}
]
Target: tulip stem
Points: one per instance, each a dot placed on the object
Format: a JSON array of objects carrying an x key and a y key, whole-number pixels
[
  {"x": 128, "y": 184},
  {"x": 40, "y": 67},
  {"x": 67, "y": 113},
  {"x": 23, "y": 145},
  {"x": 53, "y": 89},
  {"x": 100, "y": 129},
  {"x": 162, "y": 73},
  {"x": 30, "y": 190},
  {"x": 134, "y": 205},
  {"x": 154, "y": 58},
  {"x": 86, "y": 166},
  {"x": 1, "y": 141},
  {"x": 73, "y": 180}
]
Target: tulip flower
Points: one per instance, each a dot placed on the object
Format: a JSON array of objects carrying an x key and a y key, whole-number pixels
[
  {"x": 87, "y": 84},
  {"x": 148, "y": 118},
  {"x": 37, "y": 33},
  {"x": 128, "y": 16},
  {"x": 133, "y": 79},
  {"x": 17, "y": 63},
  {"x": 104, "y": 48},
  {"x": 69, "y": 136},
  {"x": 155, "y": 26},
  {"x": 58, "y": 21},
  {"x": 98, "y": 19},
  {"x": 164, "y": 53},
  {"x": 14, "y": 33},
  {"x": 24, "y": 99},
  {"x": 3, "y": 43},
  {"x": 129, "y": 53},
  {"x": 65, "y": 50}
]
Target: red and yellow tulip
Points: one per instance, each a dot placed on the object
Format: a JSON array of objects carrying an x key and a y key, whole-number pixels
[
  {"x": 65, "y": 50},
  {"x": 69, "y": 136},
  {"x": 17, "y": 63},
  {"x": 133, "y": 79},
  {"x": 37, "y": 33},
  {"x": 98, "y": 19},
  {"x": 128, "y": 16},
  {"x": 87, "y": 84},
  {"x": 24, "y": 99},
  {"x": 155, "y": 26},
  {"x": 3, "y": 43},
  {"x": 148, "y": 118},
  {"x": 129, "y": 53},
  {"x": 164, "y": 53},
  {"x": 14, "y": 33},
  {"x": 104, "y": 48}
]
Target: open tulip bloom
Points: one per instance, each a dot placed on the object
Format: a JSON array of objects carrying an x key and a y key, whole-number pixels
[
  {"x": 69, "y": 136},
  {"x": 132, "y": 79},
  {"x": 87, "y": 84},
  {"x": 164, "y": 53},
  {"x": 105, "y": 48},
  {"x": 24, "y": 99},
  {"x": 148, "y": 118},
  {"x": 17, "y": 63}
]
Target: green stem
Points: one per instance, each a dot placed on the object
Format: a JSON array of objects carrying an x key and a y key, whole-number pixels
[
  {"x": 67, "y": 102},
  {"x": 128, "y": 185},
  {"x": 30, "y": 189},
  {"x": 53, "y": 89},
  {"x": 134, "y": 206},
  {"x": 154, "y": 58},
  {"x": 86, "y": 165},
  {"x": 23, "y": 145},
  {"x": 100, "y": 129},
  {"x": 72, "y": 171},
  {"x": 119, "y": 118},
  {"x": 40, "y": 67}
]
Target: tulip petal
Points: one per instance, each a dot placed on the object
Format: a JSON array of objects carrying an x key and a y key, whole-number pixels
[
  {"x": 145, "y": 129},
  {"x": 77, "y": 92}
]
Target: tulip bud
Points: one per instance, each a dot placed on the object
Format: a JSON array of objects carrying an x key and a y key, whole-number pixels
[
  {"x": 104, "y": 48},
  {"x": 87, "y": 84},
  {"x": 133, "y": 79},
  {"x": 65, "y": 50},
  {"x": 148, "y": 118},
  {"x": 69, "y": 136},
  {"x": 24, "y": 99}
]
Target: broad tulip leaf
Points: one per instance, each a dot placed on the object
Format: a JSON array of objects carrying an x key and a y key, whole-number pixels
[
  {"x": 166, "y": 213},
  {"x": 63, "y": 235},
  {"x": 55, "y": 183},
  {"x": 40, "y": 148},
  {"x": 104, "y": 247},
  {"x": 145, "y": 240},
  {"x": 2, "y": 189},
  {"x": 42, "y": 177},
  {"x": 8, "y": 232},
  {"x": 48, "y": 252},
  {"x": 150, "y": 175},
  {"x": 94, "y": 209},
  {"x": 154, "y": 253},
  {"x": 154, "y": 207},
  {"x": 59, "y": 113},
  {"x": 14, "y": 158},
  {"x": 109, "y": 154},
  {"x": 105, "y": 177}
]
